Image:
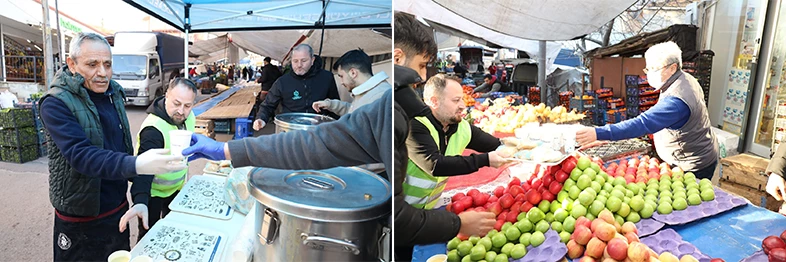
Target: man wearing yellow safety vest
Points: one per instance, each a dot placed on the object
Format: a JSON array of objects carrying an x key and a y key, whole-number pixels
[
  {"x": 153, "y": 194},
  {"x": 436, "y": 142}
]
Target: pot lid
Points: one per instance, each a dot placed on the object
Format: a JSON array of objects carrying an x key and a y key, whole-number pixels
[
  {"x": 304, "y": 119},
  {"x": 344, "y": 194}
]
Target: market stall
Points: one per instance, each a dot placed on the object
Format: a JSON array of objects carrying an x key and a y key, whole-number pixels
[{"x": 609, "y": 200}]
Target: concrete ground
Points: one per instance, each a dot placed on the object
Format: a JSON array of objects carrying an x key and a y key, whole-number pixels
[{"x": 27, "y": 217}]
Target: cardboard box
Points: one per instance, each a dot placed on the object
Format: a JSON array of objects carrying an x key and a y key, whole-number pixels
[
  {"x": 727, "y": 142},
  {"x": 756, "y": 197},
  {"x": 745, "y": 169}
]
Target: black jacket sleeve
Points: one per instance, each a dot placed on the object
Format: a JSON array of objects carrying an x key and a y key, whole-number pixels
[
  {"x": 415, "y": 226},
  {"x": 778, "y": 162},
  {"x": 333, "y": 89},
  {"x": 425, "y": 153},
  {"x": 482, "y": 141},
  {"x": 149, "y": 138},
  {"x": 268, "y": 107}
]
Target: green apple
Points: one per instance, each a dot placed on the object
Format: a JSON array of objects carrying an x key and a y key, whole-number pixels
[
  {"x": 499, "y": 240},
  {"x": 626, "y": 199},
  {"x": 554, "y": 205},
  {"x": 705, "y": 181},
  {"x": 653, "y": 198},
  {"x": 591, "y": 174},
  {"x": 544, "y": 206},
  {"x": 467, "y": 259},
  {"x": 524, "y": 225},
  {"x": 619, "y": 219},
  {"x": 584, "y": 181},
  {"x": 633, "y": 217},
  {"x": 542, "y": 226},
  {"x": 549, "y": 217},
  {"x": 557, "y": 226},
  {"x": 647, "y": 210},
  {"x": 505, "y": 227},
  {"x": 636, "y": 203},
  {"x": 569, "y": 224},
  {"x": 561, "y": 214},
  {"x": 583, "y": 163},
  {"x": 474, "y": 240},
  {"x": 491, "y": 233},
  {"x": 453, "y": 256},
  {"x": 537, "y": 239},
  {"x": 666, "y": 194},
  {"x": 507, "y": 248},
  {"x": 453, "y": 243},
  {"x": 708, "y": 195},
  {"x": 522, "y": 215},
  {"x": 694, "y": 199},
  {"x": 607, "y": 187},
  {"x": 486, "y": 242},
  {"x": 624, "y": 210},
  {"x": 586, "y": 198},
  {"x": 613, "y": 203},
  {"x": 664, "y": 208},
  {"x": 464, "y": 248},
  {"x": 574, "y": 192},
  {"x": 501, "y": 258},
  {"x": 535, "y": 215},
  {"x": 518, "y": 251},
  {"x": 595, "y": 186},
  {"x": 600, "y": 180},
  {"x": 567, "y": 204},
  {"x": 679, "y": 204},
  {"x": 595, "y": 166},
  {"x": 618, "y": 181},
  {"x": 568, "y": 183},
  {"x": 665, "y": 199},
  {"x": 578, "y": 210},
  {"x": 512, "y": 233},
  {"x": 490, "y": 256},
  {"x": 679, "y": 195},
  {"x": 689, "y": 175},
  {"x": 524, "y": 239},
  {"x": 564, "y": 237},
  {"x": 477, "y": 253},
  {"x": 562, "y": 195},
  {"x": 576, "y": 173},
  {"x": 589, "y": 216},
  {"x": 596, "y": 207},
  {"x": 692, "y": 186}
]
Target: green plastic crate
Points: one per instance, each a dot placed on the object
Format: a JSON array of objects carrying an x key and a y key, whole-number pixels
[
  {"x": 19, "y": 154},
  {"x": 16, "y": 118},
  {"x": 18, "y": 137}
]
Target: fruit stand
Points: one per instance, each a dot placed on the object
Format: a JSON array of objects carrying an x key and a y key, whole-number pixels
[{"x": 588, "y": 209}]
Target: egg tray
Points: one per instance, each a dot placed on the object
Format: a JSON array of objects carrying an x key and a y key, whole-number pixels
[
  {"x": 551, "y": 250},
  {"x": 648, "y": 226},
  {"x": 669, "y": 240},
  {"x": 723, "y": 202},
  {"x": 756, "y": 257}
]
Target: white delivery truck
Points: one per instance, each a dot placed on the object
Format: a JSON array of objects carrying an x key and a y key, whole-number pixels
[{"x": 143, "y": 63}]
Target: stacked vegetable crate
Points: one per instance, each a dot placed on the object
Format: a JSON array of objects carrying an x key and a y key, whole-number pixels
[
  {"x": 700, "y": 67},
  {"x": 611, "y": 109},
  {"x": 18, "y": 135},
  {"x": 640, "y": 95}
]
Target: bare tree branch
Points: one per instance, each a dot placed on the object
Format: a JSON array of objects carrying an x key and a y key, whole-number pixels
[{"x": 607, "y": 34}]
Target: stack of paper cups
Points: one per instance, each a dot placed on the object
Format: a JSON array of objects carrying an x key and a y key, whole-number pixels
[{"x": 243, "y": 247}]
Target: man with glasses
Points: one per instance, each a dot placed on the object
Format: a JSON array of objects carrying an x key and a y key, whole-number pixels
[{"x": 679, "y": 121}]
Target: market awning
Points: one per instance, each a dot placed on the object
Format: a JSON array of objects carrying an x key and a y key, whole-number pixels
[
  {"x": 553, "y": 20},
  {"x": 245, "y": 15}
]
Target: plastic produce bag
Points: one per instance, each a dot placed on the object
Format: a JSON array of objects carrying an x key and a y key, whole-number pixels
[{"x": 238, "y": 190}]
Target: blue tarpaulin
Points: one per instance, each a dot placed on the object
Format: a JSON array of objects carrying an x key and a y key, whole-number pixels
[{"x": 247, "y": 15}]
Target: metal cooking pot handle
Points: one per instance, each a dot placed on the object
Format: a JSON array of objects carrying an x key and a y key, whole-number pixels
[
  {"x": 314, "y": 241},
  {"x": 381, "y": 245},
  {"x": 318, "y": 183},
  {"x": 271, "y": 219}
]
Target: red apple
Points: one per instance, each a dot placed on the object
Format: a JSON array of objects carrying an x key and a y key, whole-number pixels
[
  {"x": 526, "y": 207},
  {"x": 498, "y": 225},
  {"x": 515, "y": 190},
  {"x": 499, "y": 191},
  {"x": 574, "y": 249},
  {"x": 783, "y": 235},
  {"x": 512, "y": 215},
  {"x": 595, "y": 248},
  {"x": 772, "y": 242},
  {"x": 533, "y": 197},
  {"x": 514, "y": 181},
  {"x": 468, "y": 201},
  {"x": 472, "y": 192},
  {"x": 480, "y": 199},
  {"x": 555, "y": 187},
  {"x": 561, "y": 176},
  {"x": 629, "y": 227},
  {"x": 502, "y": 215},
  {"x": 506, "y": 201},
  {"x": 462, "y": 236},
  {"x": 717, "y": 260},
  {"x": 777, "y": 255},
  {"x": 458, "y": 196},
  {"x": 583, "y": 221},
  {"x": 547, "y": 179},
  {"x": 537, "y": 184},
  {"x": 582, "y": 235},
  {"x": 449, "y": 207},
  {"x": 604, "y": 231},
  {"x": 521, "y": 198},
  {"x": 459, "y": 207},
  {"x": 546, "y": 195},
  {"x": 492, "y": 199},
  {"x": 638, "y": 252},
  {"x": 617, "y": 249},
  {"x": 568, "y": 165},
  {"x": 526, "y": 186},
  {"x": 480, "y": 209},
  {"x": 516, "y": 206},
  {"x": 632, "y": 237},
  {"x": 495, "y": 208}
]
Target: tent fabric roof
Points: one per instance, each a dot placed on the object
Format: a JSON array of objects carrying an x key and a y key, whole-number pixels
[
  {"x": 537, "y": 19},
  {"x": 245, "y": 15}
]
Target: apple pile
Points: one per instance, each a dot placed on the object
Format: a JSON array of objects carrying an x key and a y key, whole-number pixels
[
  {"x": 775, "y": 247},
  {"x": 640, "y": 170},
  {"x": 605, "y": 239},
  {"x": 669, "y": 257}
]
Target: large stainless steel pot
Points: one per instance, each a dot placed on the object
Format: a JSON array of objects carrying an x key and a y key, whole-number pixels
[
  {"x": 299, "y": 121},
  {"x": 327, "y": 215}
]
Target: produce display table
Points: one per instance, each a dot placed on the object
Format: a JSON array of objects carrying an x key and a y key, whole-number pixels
[{"x": 732, "y": 235}]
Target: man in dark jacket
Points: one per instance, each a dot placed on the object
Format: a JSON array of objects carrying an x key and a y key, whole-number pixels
[
  {"x": 413, "y": 47},
  {"x": 298, "y": 90},
  {"x": 153, "y": 194},
  {"x": 492, "y": 84},
  {"x": 90, "y": 154},
  {"x": 270, "y": 74}
]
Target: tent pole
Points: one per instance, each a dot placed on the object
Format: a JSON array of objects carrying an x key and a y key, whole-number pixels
[
  {"x": 186, "y": 27},
  {"x": 542, "y": 70},
  {"x": 60, "y": 43},
  {"x": 46, "y": 28}
]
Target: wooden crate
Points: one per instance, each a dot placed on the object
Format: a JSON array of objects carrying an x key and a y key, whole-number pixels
[
  {"x": 745, "y": 169},
  {"x": 755, "y": 196},
  {"x": 204, "y": 126}
]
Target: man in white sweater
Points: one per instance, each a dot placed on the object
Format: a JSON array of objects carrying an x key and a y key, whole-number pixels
[{"x": 354, "y": 72}]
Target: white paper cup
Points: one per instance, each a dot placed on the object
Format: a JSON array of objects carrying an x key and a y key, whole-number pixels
[
  {"x": 438, "y": 258},
  {"x": 120, "y": 256},
  {"x": 142, "y": 258},
  {"x": 179, "y": 140}
]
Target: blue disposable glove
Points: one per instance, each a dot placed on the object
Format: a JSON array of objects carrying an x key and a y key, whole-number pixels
[{"x": 204, "y": 147}]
